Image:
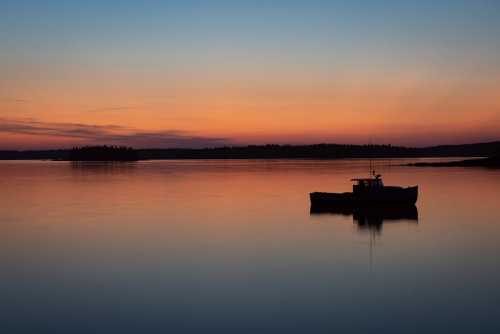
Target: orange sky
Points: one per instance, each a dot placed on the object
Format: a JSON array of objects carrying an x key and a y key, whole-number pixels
[{"x": 402, "y": 108}]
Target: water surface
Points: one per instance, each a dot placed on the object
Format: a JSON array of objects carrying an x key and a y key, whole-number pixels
[{"x": 230, "y": 246}]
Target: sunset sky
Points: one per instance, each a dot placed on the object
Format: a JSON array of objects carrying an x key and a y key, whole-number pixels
[{"x": 212, "y": 73}]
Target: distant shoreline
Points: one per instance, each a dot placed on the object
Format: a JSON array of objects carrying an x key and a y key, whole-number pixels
[
  {"x": 318, "y": 151},
  {"x": 491, "y": 162}
]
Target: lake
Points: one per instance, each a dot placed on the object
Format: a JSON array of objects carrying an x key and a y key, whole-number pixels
[{"x": 231, "y": 247}]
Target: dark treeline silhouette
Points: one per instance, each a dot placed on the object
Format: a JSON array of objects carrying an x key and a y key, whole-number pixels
[
  {"x": 322, "y": 151},
  {"x": 103, "y": 153},
  {"x": 35, "y": 155},
  {"x": 318, "y": 151}
]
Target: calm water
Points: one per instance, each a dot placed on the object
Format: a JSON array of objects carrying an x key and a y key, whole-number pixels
[{"x": 230, "y": 246}]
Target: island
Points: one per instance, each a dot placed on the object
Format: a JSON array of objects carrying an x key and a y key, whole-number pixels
[{"x": 270, "y": 151}]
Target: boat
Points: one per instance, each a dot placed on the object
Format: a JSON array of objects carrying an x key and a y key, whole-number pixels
[{"x": 366, "y": 192}]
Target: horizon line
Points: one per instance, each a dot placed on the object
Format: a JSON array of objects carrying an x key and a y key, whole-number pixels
[{"x": 253, "y": 145}]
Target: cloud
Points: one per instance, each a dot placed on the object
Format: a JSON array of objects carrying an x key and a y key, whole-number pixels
[
  {"x": 14, "y": 100},
  {"x": 108, "y": 134},
  {"x": 117, "y": 108}
]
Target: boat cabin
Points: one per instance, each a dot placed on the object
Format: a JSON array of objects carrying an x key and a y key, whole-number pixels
[{"x": 367, "y": 184}]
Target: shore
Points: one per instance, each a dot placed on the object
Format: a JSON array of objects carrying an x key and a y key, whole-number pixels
[
  {"x": 316, "y": 151},
  {"x": 491, "y": 162}
]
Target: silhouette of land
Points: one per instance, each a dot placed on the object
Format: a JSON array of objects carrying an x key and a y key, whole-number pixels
[
  {"x": 491, "y": 162},
  {"x": 318, "y": 151}
]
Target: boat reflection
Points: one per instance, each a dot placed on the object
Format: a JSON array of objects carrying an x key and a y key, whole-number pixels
[{"x": 371, "y": 218}]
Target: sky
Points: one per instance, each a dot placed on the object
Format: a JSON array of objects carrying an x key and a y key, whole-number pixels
[{"x": 212, "y": 73}]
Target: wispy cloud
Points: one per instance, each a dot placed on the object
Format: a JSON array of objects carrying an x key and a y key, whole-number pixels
[
  {"x": 112, "y": 109},
  {"x": 108, "y": 134},
  {"x": 13, "y": 100}
]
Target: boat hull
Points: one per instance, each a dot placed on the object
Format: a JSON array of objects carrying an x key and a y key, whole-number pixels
[{"x": 387, "y": 196}]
